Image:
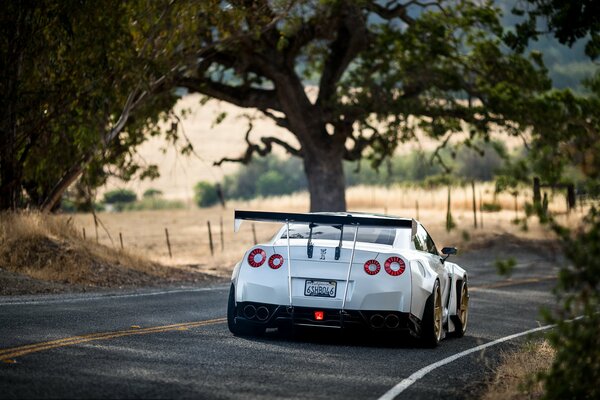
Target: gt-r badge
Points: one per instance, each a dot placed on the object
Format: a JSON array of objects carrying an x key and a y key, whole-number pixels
[{"x": 323, "y": 252}]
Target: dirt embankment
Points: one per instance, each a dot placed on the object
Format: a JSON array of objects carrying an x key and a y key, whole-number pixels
[{"x": 44, "y": 254}]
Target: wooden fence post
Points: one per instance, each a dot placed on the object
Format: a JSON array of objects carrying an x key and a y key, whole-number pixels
[
  {"x": 417, "y": 207},
  {"x": 121, "y": 239},
  {"x": 83, "y": 233},
  {"x": 537, "y": 196},
  {"x": 210, "y": 241},
  {"x": 222, "y": 239},
  {"x": 571, "y": 199},
  {"x": 449, "y": 221},
  {"x": 480, "y": 209},
  {"x": 96, "y": 226},
  {"x": 474, "y": 205},
  {"x": 254, "y": 234},
  {"x": 168, "y": 243}
]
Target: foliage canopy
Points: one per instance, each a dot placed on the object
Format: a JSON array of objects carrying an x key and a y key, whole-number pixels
[{"x": 383, "y": 73}]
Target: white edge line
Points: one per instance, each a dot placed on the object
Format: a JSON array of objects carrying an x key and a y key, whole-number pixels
[
  {"x": 407, "y": 382},
  {"x": 109, "y": 296}
]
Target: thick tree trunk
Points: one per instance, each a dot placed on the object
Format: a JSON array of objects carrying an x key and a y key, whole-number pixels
[
  {"x": 10, "y": 168},
  {"x": 326, "y": 182}
]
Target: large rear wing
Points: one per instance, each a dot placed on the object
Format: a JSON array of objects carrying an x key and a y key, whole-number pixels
[{"x": 322, "y": 219}]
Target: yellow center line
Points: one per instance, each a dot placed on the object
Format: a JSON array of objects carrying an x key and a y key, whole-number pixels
[
  {"x": 19, "y": 351},
  {"x": 94, "y": 335}
]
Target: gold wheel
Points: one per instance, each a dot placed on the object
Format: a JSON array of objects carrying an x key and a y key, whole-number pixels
[
  {"x": 437, "y": 315},
  {"x": 463, "y": 312}
]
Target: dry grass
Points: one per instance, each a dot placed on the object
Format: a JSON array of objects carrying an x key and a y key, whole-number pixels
[
  {"x": 515, "y": 379},
  {"x": 144, "y": 231},
  {"x": 49, "y": 248}
]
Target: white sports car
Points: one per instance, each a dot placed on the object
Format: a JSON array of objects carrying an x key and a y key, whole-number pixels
[{"x": 341, "y": 270}]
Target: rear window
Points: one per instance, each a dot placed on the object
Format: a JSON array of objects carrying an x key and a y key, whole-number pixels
[{"x": 384, "y": 236}]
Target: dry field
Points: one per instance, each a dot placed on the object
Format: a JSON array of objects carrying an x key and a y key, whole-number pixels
[
  {"x": 45, "y": 253},
  {"x": 143, "y": 232}
]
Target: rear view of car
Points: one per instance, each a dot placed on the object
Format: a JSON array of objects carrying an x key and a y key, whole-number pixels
[{"x": 329, "y": 270}]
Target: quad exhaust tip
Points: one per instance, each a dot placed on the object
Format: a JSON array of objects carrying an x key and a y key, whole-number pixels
[
  {"x": 377, "y": 321},
  {"x": 392, "y": 321},
  {"x": 249, "y": 311},
  {"x": 262, "y": 313}
]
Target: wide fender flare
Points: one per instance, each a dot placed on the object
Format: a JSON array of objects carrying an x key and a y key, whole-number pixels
[
  {"x": 423, "y": 281},
  {"x": 236, "y": 273},
  {"x": 457, "y": 274}
]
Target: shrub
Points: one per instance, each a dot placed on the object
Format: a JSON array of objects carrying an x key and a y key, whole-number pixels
[
  {"x": 153, "y": 203},
  {"x": 120, "y": 196},
  {"x": 205, "y": 194},
  {"x": 152, "y": 193},
  {"x": 491, "y": 207},
  {"x": 271, "y": 183},
  {"x": 575, "y": 372},
  {"x": 266, "y": 176}
]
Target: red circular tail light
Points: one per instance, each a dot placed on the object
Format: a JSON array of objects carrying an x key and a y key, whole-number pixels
[
  {"x": 394, "y": 266},
  {"x": 257, "y": 257},
  {"x": 275, "y": 261},
  {"x": 372, "y": 267}
]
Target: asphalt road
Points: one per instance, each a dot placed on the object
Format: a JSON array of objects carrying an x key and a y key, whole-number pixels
[{"x": 175, "y": 344}]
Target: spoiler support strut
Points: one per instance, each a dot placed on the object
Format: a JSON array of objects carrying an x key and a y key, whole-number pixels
[
  {"x": 287, "y": 224},
  {"x": 348, "y": 276}
]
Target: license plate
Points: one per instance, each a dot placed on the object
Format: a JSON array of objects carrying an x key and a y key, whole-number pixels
[{"x": 320, "y": 288}]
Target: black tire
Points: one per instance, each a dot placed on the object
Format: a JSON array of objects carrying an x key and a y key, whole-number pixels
[
  {"x": 238, "y": 328},
  {"x": 462, "y": 309},
  {"x": 431, "y": 328}
]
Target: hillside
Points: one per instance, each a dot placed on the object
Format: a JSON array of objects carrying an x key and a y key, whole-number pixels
[{"x": 46, "y": 254}]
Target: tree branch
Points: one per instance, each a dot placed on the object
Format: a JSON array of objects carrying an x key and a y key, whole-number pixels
[
  {"x": 360, "y": 144},
  {"x": 238, "y": 95},
  {"x": 400, "y": 11},
  {"x": 261, "y": 151},
  {"x": 436, "y": 155},
  {"x": 351, "y": 39},
  {"x": 280, "y": 121}
]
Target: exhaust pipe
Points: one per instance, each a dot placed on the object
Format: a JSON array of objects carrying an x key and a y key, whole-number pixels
[
  {"x": 392, "y": 321},
  {"x": 377, "y": 321},
  {"x": 249, "y": 311},
  {"x": 262, "y": 313}
]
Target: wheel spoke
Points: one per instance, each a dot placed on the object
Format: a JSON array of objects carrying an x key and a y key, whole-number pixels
[
  {"x": 438, "y": 315},
  {"x": 464, "y": 306}
]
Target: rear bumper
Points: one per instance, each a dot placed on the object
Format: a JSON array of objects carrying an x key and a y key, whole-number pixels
[{"x": 272, "y": 316}]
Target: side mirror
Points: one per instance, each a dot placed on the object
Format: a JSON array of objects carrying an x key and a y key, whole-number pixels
[{"x": 448, "y": 251}]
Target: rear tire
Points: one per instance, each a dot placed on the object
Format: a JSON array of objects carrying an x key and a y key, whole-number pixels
[
  {"x": 431, "y": 328},
  {"x": 462, "y": 309},
  {"x": 239, "y": 328}
]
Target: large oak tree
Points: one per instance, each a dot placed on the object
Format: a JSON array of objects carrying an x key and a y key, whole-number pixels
[{"x": 383, "y": 70}]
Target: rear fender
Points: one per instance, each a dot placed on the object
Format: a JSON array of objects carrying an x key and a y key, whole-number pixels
[
  {"x": 423, "y": 280},
  {"x": 457, "y": 274},
  {"x": 236, "y": 272}
]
